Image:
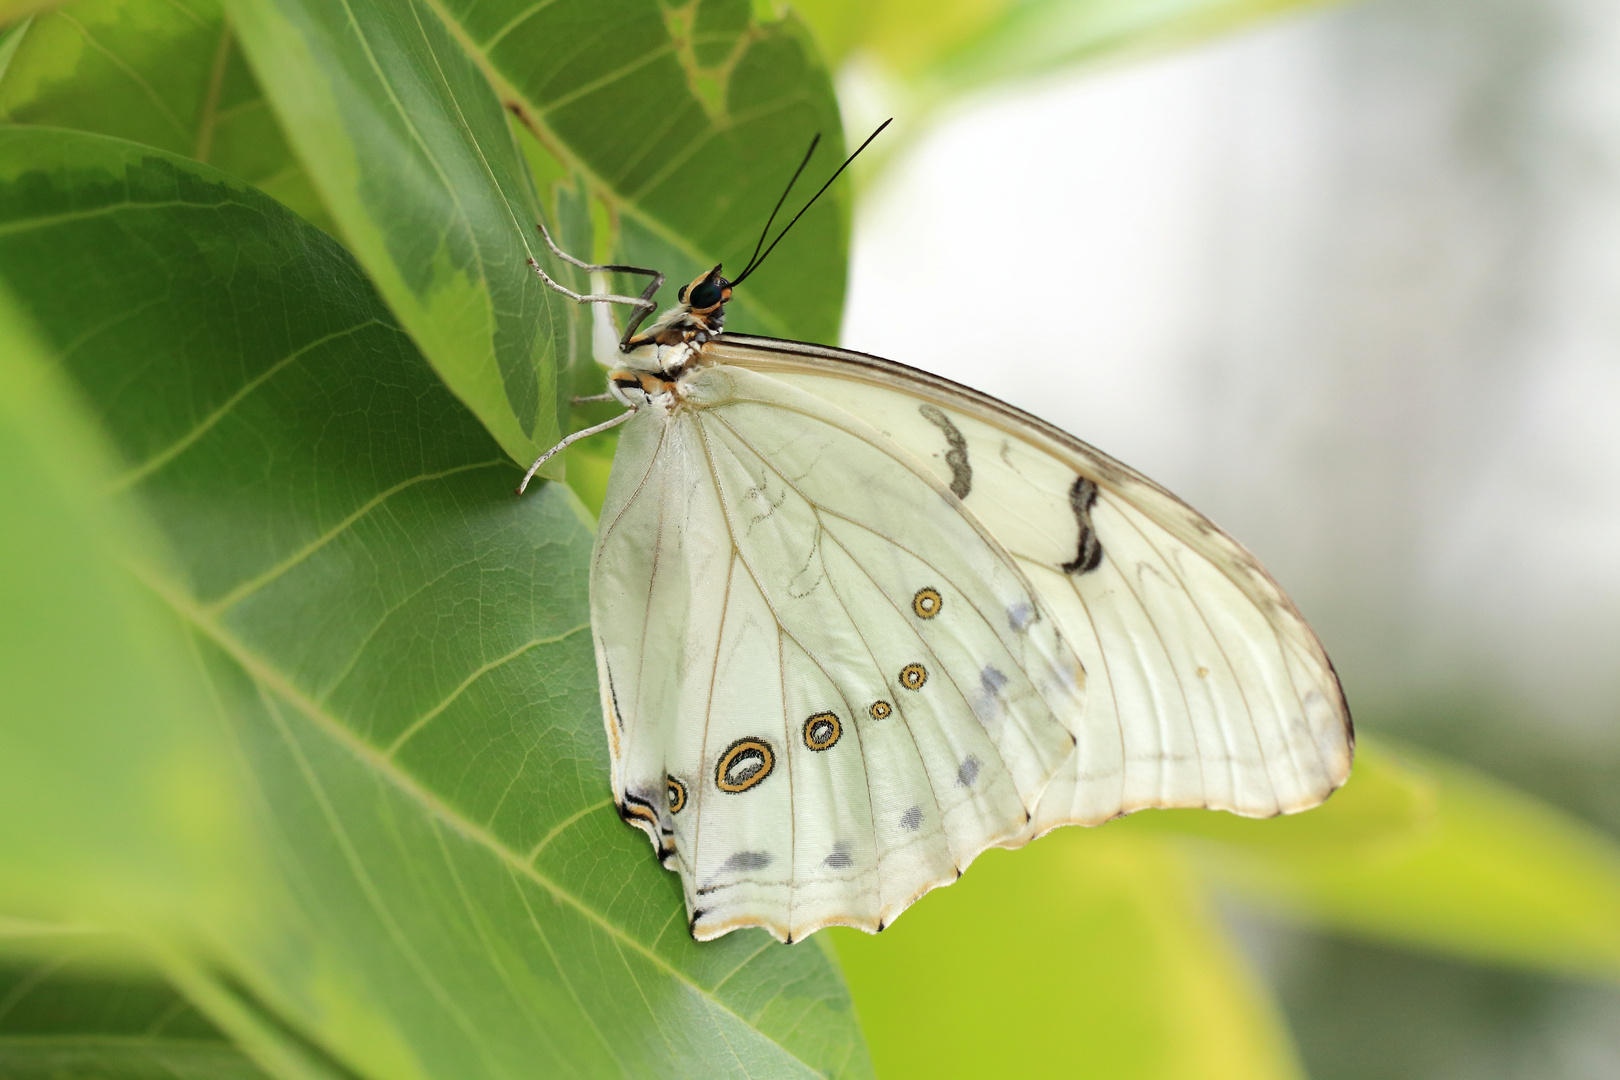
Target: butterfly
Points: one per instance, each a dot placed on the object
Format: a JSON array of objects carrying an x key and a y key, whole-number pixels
[{"x": 855, "y": 623}]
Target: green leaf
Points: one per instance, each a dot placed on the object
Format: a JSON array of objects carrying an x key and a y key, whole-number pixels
[
  {"x": 1428, "y": 853},
  {"x": 69, "y": 1010},
  {"x": 689, "y": 120},
  {"x": 139, "y": 1058},
  {"x": 168, "y": 73},
  {"x": 399, "y": 647},
  {"x": 1086, "y": 953},
  {"x": 410, "y": 149},
  {"x": 684, "y": 122},
  {"x": 113, "y": 802}
]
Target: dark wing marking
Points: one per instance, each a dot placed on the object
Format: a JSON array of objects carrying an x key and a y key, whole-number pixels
[
  {"x": 956, "y": 457},
  {"x": 1088, "y": 553}
]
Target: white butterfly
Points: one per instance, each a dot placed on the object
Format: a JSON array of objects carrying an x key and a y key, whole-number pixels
[{"x": 855, "y": 624}]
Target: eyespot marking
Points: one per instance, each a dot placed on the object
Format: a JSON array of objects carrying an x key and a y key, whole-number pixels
[
  {"x": 881, "y": 709},
  {"x": 745, "y": 764},
  {"x": 991, "y": 680},
  {"x": 822, "y": 730},
  {"x": 968, "y": 771},
  {"x": 911, "y": 820},
  {"x": 927, "y": 603},
  {"x": 912, "y": 676},
  {"x": 674, "y": 794},
  {"x": 840, "y": 858}
]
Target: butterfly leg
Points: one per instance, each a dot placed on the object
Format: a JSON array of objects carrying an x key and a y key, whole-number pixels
[
  {"x": 569, "y": 441},
  {"x": 643, "y": 304}
]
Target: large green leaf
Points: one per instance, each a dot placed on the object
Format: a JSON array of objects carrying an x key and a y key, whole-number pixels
[
  {"x": 688, "y": 119},
  {"x": 168, "y": 73},
  {"x": 410, "y": 149},
  {"x": 113, "y": 802},
  {"x": 399, "y": 647},
  {"x": 684, "y": 122},
  {"x": 1427, "y": 853},
  {"x": 1088, "y": 953},
  {"x": 67, "y": 1011}
]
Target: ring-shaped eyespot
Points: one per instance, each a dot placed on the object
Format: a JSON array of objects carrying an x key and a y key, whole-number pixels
[
  {"x": 912, "y": 676},
  {"x": 822, "y": 730},
  {"x": 705, "y": 294},
  {"x": 744, "y": 764},
  {"x": 674, "y": 794},
  {"x": 881, "y": 709},
  {"x": 927, "y": 603}
]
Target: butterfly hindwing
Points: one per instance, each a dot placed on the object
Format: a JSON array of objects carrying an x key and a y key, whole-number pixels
[{"x": 840, "y": 688}]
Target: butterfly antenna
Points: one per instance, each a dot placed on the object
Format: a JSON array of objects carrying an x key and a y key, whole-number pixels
[
  {"x": 778, "y": 207},
  {"x": 754, "y": 263}
]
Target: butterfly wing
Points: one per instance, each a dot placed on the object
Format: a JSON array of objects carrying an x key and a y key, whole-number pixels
[
  {"x": 1205, "y": 687},
  {"x": 827, "y": 688}
]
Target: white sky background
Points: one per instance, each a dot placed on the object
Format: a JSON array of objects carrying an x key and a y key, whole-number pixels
[{"x": 1349, "y": 284}]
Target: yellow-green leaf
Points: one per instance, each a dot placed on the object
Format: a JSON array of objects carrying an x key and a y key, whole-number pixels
[
  {"x": 1426, "y": 852},
  {"x": 115, "y": 799},
  {"x": 1088, "y": 953}
]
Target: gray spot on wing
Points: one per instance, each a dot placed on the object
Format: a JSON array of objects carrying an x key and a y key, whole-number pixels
[
  {"x": 968, "y": 771},
  {"x": 912, "y": 819},
  {"x": 1020, "y": 615},
  {"x": 748, "y": 860},
  {"x": 840, "y": 858},
  {"x": 1088, "y": 551},
  {"x": 991, "y": 680},
  {"x": 957, "y": 456}
]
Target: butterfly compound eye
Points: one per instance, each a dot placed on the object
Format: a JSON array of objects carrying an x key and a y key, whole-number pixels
[{"x": 706, "y": 295}]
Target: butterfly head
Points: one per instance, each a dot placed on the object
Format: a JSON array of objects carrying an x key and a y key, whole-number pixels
[
  {"x": 699, "y": 315},
  {"x": 705, "y": 298}
]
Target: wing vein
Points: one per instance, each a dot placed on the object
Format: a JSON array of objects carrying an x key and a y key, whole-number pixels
[
  {"x": 708, "y": 714},
  {"x": 1113, "y": 692},
  {"x": 819, "y": 509},
  {"x": 940, "y": 666},
  {"x": 1236, "y": 681},
  {"x": 878, "y": 668},
  {"x": 1164, "y": 720},
  {"x": 788, "y": 755},
  {"x": 994, "y": 544}
]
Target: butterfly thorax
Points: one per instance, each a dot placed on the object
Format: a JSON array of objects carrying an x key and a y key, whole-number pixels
[{"x": 650, "y": 366}]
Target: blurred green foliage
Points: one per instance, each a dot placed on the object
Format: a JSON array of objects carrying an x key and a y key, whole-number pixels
[{"x": 301, "y": 763}]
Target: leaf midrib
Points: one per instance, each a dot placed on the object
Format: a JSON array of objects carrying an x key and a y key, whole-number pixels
[{"x": 268, "y": 676}]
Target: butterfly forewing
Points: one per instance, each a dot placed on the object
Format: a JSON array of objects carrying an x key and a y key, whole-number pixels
[{"x": 1204, "y": 686}]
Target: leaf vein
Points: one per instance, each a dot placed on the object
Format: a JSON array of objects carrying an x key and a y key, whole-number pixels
[
  {"x": 477, "y": 673},
  {"x": 254, "y": 584}
]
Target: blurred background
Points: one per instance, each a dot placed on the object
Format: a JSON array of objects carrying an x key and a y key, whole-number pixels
[{"x": 1348, "y": 283}]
